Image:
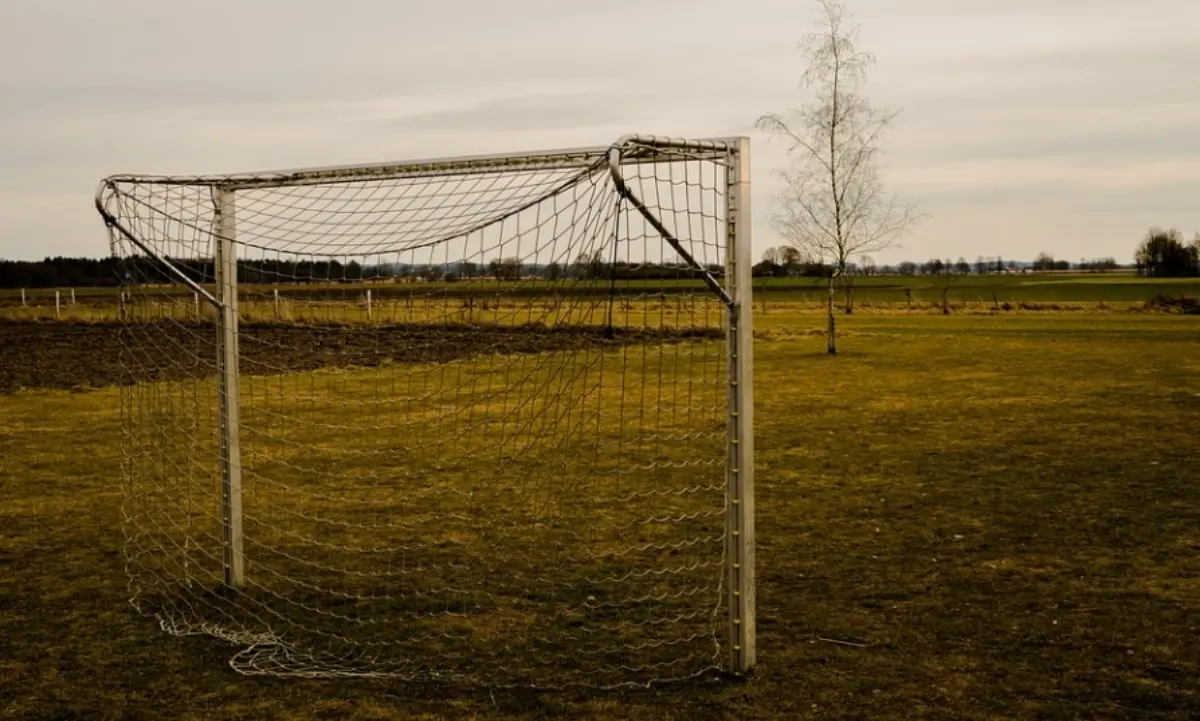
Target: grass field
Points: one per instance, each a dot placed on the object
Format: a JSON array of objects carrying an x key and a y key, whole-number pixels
[
  {"x": 996, "y": 515},
  {"x": 312, "y": 302}
]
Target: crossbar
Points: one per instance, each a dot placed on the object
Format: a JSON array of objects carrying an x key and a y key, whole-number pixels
[{"x": 580, "y": 157}]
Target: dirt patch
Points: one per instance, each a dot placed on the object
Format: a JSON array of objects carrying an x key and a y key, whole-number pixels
[
  {"x": 1183, "y": 304},
  {"x": 73, "y": 355}
]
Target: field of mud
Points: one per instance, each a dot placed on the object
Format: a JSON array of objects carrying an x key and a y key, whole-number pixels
[{"x": 88, "y": 355}]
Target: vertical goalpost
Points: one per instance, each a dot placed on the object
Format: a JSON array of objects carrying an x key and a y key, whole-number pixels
[
  {"x": 226, "y": 271},
  {"x": 740, "y": 523},
  {"x": 609, "y": 291}
]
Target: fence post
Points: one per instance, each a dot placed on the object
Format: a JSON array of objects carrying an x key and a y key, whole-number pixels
[
  {"x": 275, "y": 292},
  {"x": 57, "y": 305},
  {"x": 227, "y": 361},
  {"x": 72, "y": 296},
  {"x": 369, "y": 313},
  {"x": 23, "y": 298}
]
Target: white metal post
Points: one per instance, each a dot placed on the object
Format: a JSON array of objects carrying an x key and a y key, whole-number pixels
[
  {"x": 275, "y": 293},
  {"x": 72, "y": 296},
  {"x": 227, "y": 360},
  {"x": 740, "y": 481},
  {"x": 57, "y": 305},
  {"x": 368, "y": 305},
  {"x": 23, "y": 298}
]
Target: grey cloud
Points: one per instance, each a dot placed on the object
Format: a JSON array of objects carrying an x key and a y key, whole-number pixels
[
  {"x": 1166, "y": 198},
  {"x": 1178, "y": 140},
  {"x": 529, "y": 112}
]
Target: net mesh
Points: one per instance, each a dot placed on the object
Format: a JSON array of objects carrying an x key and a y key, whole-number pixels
[{"x": 483, "y": 416}]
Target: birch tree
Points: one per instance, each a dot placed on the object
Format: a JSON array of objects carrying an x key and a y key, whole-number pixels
[{"x": 834, "y": 204}]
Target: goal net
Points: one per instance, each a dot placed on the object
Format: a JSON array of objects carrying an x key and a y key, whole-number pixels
[{"x": 480, "y": 419}]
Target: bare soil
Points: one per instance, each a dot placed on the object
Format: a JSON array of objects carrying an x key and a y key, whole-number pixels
[{"x": 84, "y": 355}]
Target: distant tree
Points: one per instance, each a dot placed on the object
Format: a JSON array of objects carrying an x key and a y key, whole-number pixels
[
  {"x": 867, "y": 266},
  {"x": 1043, "y": 261},
  {"x": 948, "y": 277},
  {"x": 467, "y": 269},
  {"x": 962, "y": 267},
  {"x": 505, "y": 268},
  {"x": 887, "y": 270},
  {"x": 1099, "y": 265},
  {"x": 1163, "y": 254},
  {"x": 591, "y": 266},
  {"x": 998, "y": 265},
  {"x": 847, "y": 277},
  {"x": 981, "y": 265},
  {"x": 792, "y": 259},
  {"x": 512, "y": 268},
  {"x": 553, "y": 272},
  {"x": 834, "y": 205},
  {"x": 907, "y": 268},
  {"x": 767, "y": 269},
  {"x": 771, "y": 265}
]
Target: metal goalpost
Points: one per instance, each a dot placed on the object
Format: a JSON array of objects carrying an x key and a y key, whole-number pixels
[{"x": 534, "y": 463}]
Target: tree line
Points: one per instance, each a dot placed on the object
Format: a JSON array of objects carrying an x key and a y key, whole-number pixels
[
  {"x": 60, "y": 272},
  {"x": 1163, "y": 254},
  {"x": 790, "y": 262}
]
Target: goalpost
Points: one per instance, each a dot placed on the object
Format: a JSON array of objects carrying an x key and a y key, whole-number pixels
[{"x": 486, "y": 419}]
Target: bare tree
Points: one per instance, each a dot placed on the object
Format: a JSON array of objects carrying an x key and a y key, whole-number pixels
[
  {"x": 949, "y": 275},
  {"x": 867, "y": 263},
  {"x": 834, "y": 205}
]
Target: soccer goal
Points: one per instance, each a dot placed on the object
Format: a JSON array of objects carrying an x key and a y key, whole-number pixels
[{"x": 483, "y": 419}]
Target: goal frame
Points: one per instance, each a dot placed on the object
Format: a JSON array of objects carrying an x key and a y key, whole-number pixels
[{"x": 736, "y": 294}]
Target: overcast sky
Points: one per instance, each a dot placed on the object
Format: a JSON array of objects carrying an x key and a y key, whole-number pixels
[{"x": 1069, "y": 126}]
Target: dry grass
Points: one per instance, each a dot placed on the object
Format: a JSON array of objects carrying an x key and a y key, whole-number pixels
[{"x": 1000, "y": 511}]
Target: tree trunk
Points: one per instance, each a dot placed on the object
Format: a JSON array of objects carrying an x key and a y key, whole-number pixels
[{"x": 831, "y": 344}]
